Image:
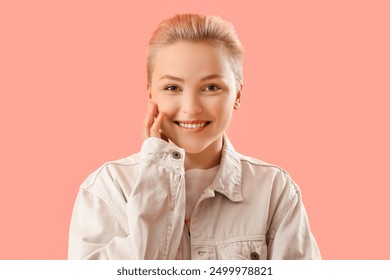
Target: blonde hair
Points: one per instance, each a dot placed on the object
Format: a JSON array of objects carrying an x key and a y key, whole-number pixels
[{"x": 197, "y": 28}]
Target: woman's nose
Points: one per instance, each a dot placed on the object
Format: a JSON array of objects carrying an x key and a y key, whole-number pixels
[{"x": 191, "y": 104}]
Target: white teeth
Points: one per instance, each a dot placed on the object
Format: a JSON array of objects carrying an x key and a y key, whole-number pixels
[{"x": 191, "y": 126}]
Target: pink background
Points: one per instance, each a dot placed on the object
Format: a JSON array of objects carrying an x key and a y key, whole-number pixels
[{"x": 315, "y": 102}]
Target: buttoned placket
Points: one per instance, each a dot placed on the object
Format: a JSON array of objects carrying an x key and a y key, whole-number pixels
[{"x": 174, "y": 157}]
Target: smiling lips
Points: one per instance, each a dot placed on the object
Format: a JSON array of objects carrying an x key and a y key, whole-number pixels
[{"x": 192, "y": 124}]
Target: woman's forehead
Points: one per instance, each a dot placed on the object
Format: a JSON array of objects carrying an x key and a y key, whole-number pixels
[{"x": 191, "y": 59}]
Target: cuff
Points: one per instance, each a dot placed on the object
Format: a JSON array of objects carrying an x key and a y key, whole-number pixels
[{"x": 158, "y": 150}]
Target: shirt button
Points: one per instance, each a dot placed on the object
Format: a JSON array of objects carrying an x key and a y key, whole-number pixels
[
  {"x": 254, "y": 256},
  {"x": 176, "y": 155}
]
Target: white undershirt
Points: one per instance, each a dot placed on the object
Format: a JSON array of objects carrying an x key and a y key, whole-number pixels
[{"x": 196, "y": 181}]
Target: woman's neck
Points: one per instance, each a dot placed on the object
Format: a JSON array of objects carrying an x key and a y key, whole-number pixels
[{"x": 208, "y": 158}]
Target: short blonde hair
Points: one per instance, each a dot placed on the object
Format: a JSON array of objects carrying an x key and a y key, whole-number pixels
[{"x": 197, "y": 28}]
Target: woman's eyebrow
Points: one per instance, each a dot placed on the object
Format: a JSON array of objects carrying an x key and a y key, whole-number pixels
[
  {"x": 170, "y": 77},
  {"x": 212, "y": 76}
]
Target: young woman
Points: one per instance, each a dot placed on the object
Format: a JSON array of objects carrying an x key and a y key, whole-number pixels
[{"x": 188, "y": 194}]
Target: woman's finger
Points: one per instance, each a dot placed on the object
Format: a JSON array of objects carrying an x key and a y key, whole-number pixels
[
  {"x": 149, "y": 119},
  {"x": 152, "y": 113},
  {"x": 155, "y": 129}
]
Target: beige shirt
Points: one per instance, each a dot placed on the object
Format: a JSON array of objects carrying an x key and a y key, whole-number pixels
[{"x": 134, "y": 208}]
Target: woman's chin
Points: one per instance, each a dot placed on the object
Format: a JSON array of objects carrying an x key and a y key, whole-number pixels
[{"x": 194, "y": 150}]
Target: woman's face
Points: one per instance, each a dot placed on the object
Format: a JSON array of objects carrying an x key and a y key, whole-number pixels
[{"x": 194, "y": 86}]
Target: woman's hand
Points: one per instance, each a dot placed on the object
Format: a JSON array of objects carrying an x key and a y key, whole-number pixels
[{"x": 153, "y": 122}]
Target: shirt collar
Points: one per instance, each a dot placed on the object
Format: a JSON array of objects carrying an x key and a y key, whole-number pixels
[{"x": 228, "y": 179}]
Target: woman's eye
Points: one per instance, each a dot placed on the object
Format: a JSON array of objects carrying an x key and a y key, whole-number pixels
[
  {"x": 171, "y": 88},
  {"x": 212, "y": 88}
]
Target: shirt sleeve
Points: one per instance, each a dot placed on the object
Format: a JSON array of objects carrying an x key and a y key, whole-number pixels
[
  {"x": 290, "y": 237},
  {"x": 153, "y": 218}
]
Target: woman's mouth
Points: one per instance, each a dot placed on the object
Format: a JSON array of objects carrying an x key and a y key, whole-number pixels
[{"x": 192, "y": 124}]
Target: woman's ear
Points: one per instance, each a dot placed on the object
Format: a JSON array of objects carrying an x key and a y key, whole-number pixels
[
  {"x": 148, "y": 88},
  {"x": 238, "y": 98}
]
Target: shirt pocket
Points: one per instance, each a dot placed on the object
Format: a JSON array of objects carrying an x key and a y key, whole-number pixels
[{"x": 245, "y": 248}]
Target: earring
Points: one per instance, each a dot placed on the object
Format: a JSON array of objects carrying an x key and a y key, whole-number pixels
[{"x": 237, "y": 104}]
